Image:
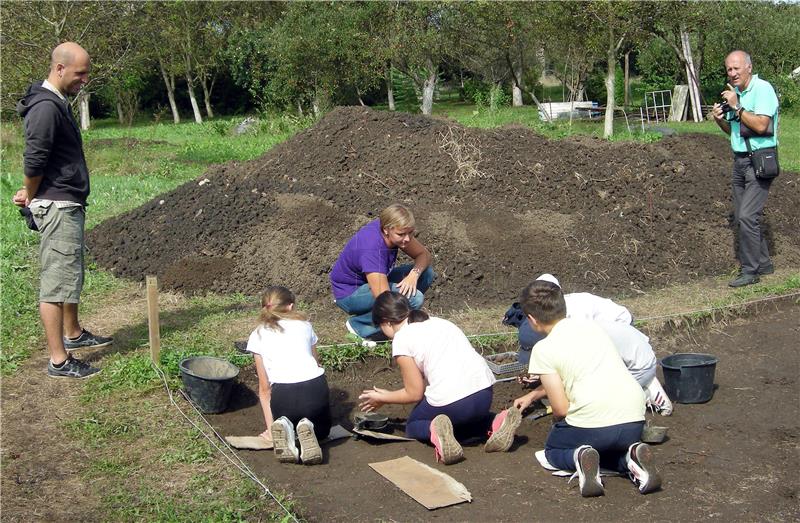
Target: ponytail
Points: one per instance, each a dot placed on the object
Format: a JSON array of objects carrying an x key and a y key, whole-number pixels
[
  {"x": 276, "y": 305},
  {"x": 393, "y": 307}
]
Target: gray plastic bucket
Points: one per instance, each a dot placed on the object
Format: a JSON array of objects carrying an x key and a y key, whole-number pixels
[
  {"x": 208, "y": 381},
  {"x": 688, "y": 377}
]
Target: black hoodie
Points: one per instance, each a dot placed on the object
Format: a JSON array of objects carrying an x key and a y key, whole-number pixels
[{"x": 53, "y": 147}]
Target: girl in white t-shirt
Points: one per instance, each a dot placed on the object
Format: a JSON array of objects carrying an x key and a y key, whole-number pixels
[
  {"x": 292, "y": 387},
  {"x": 450, "y": 383}
]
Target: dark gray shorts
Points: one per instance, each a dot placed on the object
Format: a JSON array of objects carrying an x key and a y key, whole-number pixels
[{"x": 60, "y": 252}]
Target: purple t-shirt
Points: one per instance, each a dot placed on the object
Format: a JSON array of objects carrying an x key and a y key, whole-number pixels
[{"x": 366, "y": 252}]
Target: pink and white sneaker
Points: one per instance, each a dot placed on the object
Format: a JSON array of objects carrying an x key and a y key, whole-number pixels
[
  {"x": 446, "y": 448},
  {"x": 504, "y": 427}
]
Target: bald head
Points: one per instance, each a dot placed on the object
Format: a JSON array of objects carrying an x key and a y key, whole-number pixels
[
  {"x": 69, "y": 68},
  {"x": 739, "y": 68}
]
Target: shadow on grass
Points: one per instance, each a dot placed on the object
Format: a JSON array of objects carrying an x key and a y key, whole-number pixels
[{"x": 172, "y": 324}]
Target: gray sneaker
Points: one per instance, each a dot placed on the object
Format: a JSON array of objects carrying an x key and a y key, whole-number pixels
[
  {"x": 310, "y": 451},
  {"x": 72, "y": 368},
  {"x": 86, "y": 340},
  {"x": 587, "y": 468},
  {"x": 283, "y": 437}
]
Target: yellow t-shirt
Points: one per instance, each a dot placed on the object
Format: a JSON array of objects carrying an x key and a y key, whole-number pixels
[{"x": 600, "y": 390}]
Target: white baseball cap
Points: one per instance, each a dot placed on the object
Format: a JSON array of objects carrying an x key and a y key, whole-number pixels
[{"x": 549, "y": 277}]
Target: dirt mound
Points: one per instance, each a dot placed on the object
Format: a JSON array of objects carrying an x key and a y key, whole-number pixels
[{"x": 495, "y": 207}]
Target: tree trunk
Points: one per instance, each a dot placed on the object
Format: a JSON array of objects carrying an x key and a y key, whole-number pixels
[
  {"x": 627, "y": 86},
  {"x": 516, "y": 96},
  {"x": 169, "y": 81},
  {"x": 198, "y": 118},
  {"x": 207, "y": 96},
  {"x": 428, "y": 88},
  {"x": 358, "y": 95},
  {"x": 611, "y": 63},
  {"x": 390, "y": 88},
  {"x": 83, "y": 104},
  {"x": 691, "y": 74},
  {"x": 120, "y": 113}
]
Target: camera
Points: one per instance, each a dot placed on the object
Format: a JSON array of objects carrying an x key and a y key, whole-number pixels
[{"x": 725, "y": 106}]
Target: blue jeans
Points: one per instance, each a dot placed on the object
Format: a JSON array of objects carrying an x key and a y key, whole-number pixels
[
  {"x": 359, "y": 304},
  {"x": 527, "y": 339},
  {"x": 611, "y": 442},
  {"x": 470, "y": 416}
]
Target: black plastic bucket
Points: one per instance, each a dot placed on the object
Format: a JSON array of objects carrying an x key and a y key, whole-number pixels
[
  {"x": 689, "y": 378},
  {"x": 208, "y": 381}
]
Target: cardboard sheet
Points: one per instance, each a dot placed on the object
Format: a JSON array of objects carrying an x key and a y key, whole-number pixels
[
  {"x": 248, "y": 442},
  {"x": 259, "y": 443},
  {"x": 427, "y": 486}
]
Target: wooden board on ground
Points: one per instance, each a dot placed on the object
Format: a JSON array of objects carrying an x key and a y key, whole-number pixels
[
  {"x": 259, "y": 443},
  {"x": 380, "y": 435},
  {"x": 427, "y": 486},
  {"x": 677, "y": 112}
]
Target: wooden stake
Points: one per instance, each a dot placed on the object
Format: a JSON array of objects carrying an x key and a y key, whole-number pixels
[{"x": 152, "y": 318}]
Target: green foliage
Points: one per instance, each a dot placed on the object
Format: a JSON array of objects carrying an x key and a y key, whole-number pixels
[
  {"x": 788, "y": 91},
  {"x": 338, "y": 357}
]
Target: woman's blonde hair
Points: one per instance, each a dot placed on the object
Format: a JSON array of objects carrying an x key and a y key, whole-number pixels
[
  {"x": 396, "y": 216},
  {"x": 276, "y": 305}
]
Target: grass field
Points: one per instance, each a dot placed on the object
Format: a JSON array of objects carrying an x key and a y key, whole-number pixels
[{"x": 125, "y": 403}]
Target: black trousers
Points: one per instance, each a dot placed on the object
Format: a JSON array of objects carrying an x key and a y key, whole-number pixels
[{"x": 307, "y": 399}]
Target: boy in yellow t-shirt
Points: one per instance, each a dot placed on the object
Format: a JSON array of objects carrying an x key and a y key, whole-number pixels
[{"x": 588, "y": 385}]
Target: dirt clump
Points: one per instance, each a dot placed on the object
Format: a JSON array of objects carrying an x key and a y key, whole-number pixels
[{"x": 495, "y": 207}]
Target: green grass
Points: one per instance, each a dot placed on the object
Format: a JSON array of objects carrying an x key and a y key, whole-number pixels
[{"x": 129, "y": 166}]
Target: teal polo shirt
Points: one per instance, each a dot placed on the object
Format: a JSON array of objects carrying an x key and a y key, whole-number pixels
[{"x": 758, "y": 98}]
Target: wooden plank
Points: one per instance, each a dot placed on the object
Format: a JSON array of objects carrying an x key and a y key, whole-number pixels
[
  {"x": 153, "y": 326},
  {"x": 679, "y": 97}
]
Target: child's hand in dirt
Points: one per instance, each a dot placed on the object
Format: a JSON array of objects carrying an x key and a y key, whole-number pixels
[
  {"x": 372, "y": 399},
  {"x": 523, "y": 402}
]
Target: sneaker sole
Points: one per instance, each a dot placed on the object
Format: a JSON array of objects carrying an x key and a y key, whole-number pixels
[
  {"x": 502, "y": 439},
  {"x": 282, "y": 449},
  {"x": 72, "y": 377},
  {"x": 98, "y": 346},
  {"x": 643, "y": 456},
  {"x": 310, "y": 451},
  {"x": 588, "y": 471},
  {"x": 450, "y": 448}
]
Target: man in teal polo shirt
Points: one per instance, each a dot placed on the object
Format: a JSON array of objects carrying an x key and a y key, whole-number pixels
[{"x": 754, "y": 112}]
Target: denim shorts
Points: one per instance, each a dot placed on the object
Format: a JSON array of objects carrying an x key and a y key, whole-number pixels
[{"x": 60, "y": 252}]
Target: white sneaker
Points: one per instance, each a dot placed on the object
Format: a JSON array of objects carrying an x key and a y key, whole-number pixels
[
  {"x": 657, "y": 398},
  {"x": 642, "y": 468},
  {"x": 283, "y": 439},
  {"x": 310, "y": 451},
  {"x": 364, "y": 342},
  {"x": 587, "y": 467}
]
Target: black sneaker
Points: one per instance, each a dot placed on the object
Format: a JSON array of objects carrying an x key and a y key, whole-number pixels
[
  {"x": 744, "y": 279},
  {"x": 642, "y": 468},
  {"x": 72, "y": 368},
  {"x": 86, "y": 340},
  {"x": 766, "y": 269}
]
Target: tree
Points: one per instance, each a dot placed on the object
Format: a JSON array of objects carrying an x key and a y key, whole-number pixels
[
  {"x": 419, "y": 43},
  {"x": 31, "y": 29}
]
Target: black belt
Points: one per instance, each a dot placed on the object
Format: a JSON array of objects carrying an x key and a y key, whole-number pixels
[{"x": 741, "y": 155}]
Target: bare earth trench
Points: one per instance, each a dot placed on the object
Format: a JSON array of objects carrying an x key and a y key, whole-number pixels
[{"x": 733, "y": 458}]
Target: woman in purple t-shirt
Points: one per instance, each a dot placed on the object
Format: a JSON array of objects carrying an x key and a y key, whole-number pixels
[{"x": 365, "y": 268}]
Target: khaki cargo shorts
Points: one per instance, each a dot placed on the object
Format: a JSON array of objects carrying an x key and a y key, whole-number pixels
[{"x": 60, "y": 252}]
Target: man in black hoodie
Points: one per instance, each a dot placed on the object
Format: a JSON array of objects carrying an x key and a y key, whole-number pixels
[{"x": 56, "y": 186}]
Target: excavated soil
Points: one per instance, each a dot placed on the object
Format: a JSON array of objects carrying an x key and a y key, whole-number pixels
[{"x": 495, "y": 207}]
